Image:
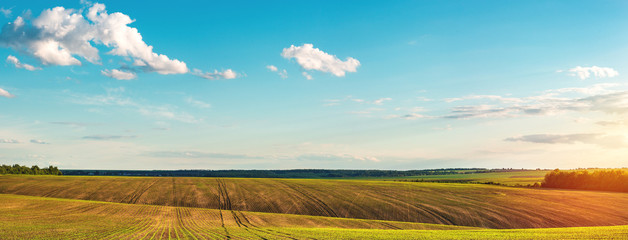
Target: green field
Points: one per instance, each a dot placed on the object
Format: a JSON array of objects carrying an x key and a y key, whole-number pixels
[
  {"x": 511, "y": 178},
  {"x": 201, "y": 208}
]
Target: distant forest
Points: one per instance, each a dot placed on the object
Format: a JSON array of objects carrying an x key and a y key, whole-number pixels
[
  {"x": 34, "y": 170},
  {"x": 295, "y": 173},
  {"x": 603, "y": 180}
]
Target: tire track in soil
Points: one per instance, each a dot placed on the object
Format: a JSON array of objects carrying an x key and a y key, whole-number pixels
[
  {"x": 317, "y": 202},
  {"x": 222, "y": 188},
  {"x": 222, "y": 206}
]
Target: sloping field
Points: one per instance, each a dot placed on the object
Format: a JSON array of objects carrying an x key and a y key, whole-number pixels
[
  {"x": 38, "y": 217},
  {"x": 26, "y": 217},
  {"x": 452, "y": 204},
  {"x": 506, "y": 178}
]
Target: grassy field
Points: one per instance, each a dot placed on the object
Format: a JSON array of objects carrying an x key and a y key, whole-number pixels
[
  {"x": 506, "y": 178},
  {"x": 452, "y": 204},
  {"x": 51, "y": 218}
]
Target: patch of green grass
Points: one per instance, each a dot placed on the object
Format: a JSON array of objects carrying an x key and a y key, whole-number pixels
[
  {"x": 612, "y": 232},
  {"x": 505, "y": 178}
]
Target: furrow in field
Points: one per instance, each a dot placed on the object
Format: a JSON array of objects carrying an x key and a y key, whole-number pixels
[{"x": 458, "y": 204}]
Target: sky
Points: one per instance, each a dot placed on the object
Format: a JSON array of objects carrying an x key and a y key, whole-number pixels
[{"x": 325, "y": 84}]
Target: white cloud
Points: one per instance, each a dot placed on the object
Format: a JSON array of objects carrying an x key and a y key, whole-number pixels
[
  {"x": 272, "y": 68},
  {"x": 487, "y": 97},
  {"x": 119, "y": 74},
  {"x": 283, "y": 73},
  {"x": 381, "y": 101},
  {"x": 112, "y": 30},
  {"x": 216, "y": 75},
  {"x": 4, "y": 93},
  {"x": 16, "y": 62},
  {"x": 596, "y": 98},
  {"x": 57, "y": 35},
  {"x": 9, "y": 141},
  {"x": 114, "y": 98},
  {"x": 39, "y": 141},
  {"x": 598, "y": 72},
  {"x": 6, "y": 12},
  {"x": 607, "y": 141},
  {"x": 336, "y": 157},
  {"x": 311, "y": 58},
  {"x": 108, "y": 137},
  {"x": 197, "y": 103},
  {"x": 307, "y": 76}
]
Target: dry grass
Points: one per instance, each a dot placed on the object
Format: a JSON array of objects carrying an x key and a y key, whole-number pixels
[{"x": 452, "y": 204}]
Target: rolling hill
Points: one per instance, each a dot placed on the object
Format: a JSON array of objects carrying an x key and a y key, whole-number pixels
[{"x": 451, "y": 204}]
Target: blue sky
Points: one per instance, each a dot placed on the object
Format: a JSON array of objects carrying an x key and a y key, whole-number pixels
[{"x": 288, "y": 84}]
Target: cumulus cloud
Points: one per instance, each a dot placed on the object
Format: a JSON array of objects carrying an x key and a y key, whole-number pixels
[
  {"x": 9, "y": 141},
  {"x": 603, "y": 140},
  {"x": 16, "y": 62},
  {"x": 58, "y": 35},
  {"x": 119, "y": 74},
  {"x": 598, "y": 72},
  {"x": 39, "y": 141},
  {"x": 311, "y": 58},
  {"x": 4, "y": 93},
  {"x": 216, "y": 75}
]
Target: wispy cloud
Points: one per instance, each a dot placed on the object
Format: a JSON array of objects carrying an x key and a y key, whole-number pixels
[
  {"x": 196, "y": 154},
  {"x": 114, "y": 97},
  {"x": 596, "y": 98},
  {"x": 307, "y": 76},
  {"x": 109, "y": 137},
  {"x": 197, "y": 103},
  {"x": 595, "y": 71},
  {"x": 16, "y": 62},
  {"x": 72, "y": 124},
  {"x": 283, "y": 73},
  {"x": 4, "y": 93},
  {"x": 6, "y": 12},
  {"x": 311, "y": 58},
  {"x": 9, "y": 141},
  {"x": 381, "y": 101},
  {"x": 336, "y": 157},
  {"x": 38, "y": 141},
  {"x": 272, "y": 68},
  {"x": 119, "y": 74},
  {"x": 216, "y": 75},
  {"x": 603, "y": 140}
]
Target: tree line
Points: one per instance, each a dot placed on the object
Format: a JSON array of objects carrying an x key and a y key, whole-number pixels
[
  {"x": 292, "y": 173},
  {"x": 603, "y": 180},
  {"x": 34, "y": 170}
]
